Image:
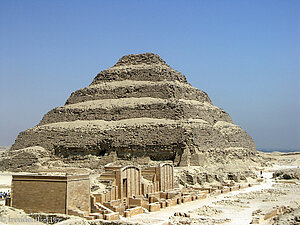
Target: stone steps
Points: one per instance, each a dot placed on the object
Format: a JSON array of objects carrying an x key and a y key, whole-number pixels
[
  {"x": 127, "y": 108},
  {"x": 138, "y": 89},
  {"x": 140, "y": 107}
]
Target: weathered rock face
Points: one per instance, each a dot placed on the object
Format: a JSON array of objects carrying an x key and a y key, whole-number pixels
[
  {"x": 140, "y": 107},
  {"x": 23, "y": 159}
]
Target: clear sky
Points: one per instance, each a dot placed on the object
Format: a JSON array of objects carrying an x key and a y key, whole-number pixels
[{"x": 244, "y": 54}]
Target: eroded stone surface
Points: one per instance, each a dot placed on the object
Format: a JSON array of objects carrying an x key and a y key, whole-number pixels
[{"x": 140, "y": 107}]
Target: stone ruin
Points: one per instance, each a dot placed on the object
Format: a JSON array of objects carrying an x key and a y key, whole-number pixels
[
  {"x": 128, "y": 191},
  {"x": 138, "y": 108}
]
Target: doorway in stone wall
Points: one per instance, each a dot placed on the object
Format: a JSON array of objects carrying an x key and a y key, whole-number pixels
[{"x": 124, "y": 183}]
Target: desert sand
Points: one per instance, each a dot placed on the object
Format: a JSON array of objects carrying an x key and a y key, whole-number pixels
[
  {"x": 234, "y": 208},
  {"x": 237, "y": 207}
]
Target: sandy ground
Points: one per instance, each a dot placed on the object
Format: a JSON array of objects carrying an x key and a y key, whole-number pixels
[
  {"x": 5, "y": 179},
  {"x": 241, "y": 215},
  {"x": 234, "y": 208}
]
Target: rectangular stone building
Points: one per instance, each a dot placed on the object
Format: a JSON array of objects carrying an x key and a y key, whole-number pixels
[{"x": 51, "y": 194}]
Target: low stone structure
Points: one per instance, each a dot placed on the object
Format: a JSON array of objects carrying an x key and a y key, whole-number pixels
[
  {"x": 131, "y": 186},
  {"x": 128, "y": 191},
  {"x": 262, "y": 216},
  {"x": 51, "y": 194}
]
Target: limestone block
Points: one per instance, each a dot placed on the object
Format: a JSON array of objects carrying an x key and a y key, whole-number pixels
[
  {"x": 97, "y": 215},
  {"x": 163, "y": 195},
  {"x": 133, "y": 211},
  {"x": 153, "y": 207},
  {"x": 216, "y": 192},
  {"x": 171, "y": 202},
  {"x": 186, "y": 198},
  {"x": 234, "y": 188},
  {"x": 135, "y": 202},
  {"x": 201, "y": 196},
  {"x": 112, "y": 216},
  {"x": 242, "y": 186},
  {"x": 153, "y": 199},
  {"x": 171, "y": 195},
  {"x": 225, "y": 190}
]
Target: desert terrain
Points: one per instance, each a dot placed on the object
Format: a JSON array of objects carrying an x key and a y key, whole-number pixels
[{"x": 277, "y": 185}]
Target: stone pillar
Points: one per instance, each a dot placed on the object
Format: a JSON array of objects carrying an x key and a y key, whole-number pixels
[{"x": 119, "y": 183}]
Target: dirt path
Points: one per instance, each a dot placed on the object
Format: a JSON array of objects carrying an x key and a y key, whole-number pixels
[{"x": 234, "y": 208}]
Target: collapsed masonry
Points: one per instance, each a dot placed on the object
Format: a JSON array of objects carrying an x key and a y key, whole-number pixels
[
  {"x": 140, "y": 107},
  {"x": 130, "y": 191}
]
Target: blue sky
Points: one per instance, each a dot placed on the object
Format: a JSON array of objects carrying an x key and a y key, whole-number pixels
[{"x": 244, "y": 54}]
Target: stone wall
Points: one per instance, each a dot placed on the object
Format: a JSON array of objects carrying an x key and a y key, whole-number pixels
[
  {"x": 51, "y": 194},
  {"x": 130, "y": 67},
  {"x": 151, "y": 139},
  {"x": 119, "y": 109},
  {"x": 129, "y": 182},
  {"x": 78, "y": 192},
  {"x": 166, "y": 177},
  {"x": 39, "y": 194},
  {"x": 138, "y": 89}
]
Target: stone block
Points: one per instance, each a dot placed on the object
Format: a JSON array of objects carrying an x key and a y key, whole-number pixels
[
  {"x": 163, "y": 195},
  {"x": 51, "y": 194},
  {"x": 171, "y": 202},
  {"x": 187, "y": 198},
  {"x": 242, "y": 186},
  {"x": 163, "y": 204},
  {"x": 97, "y": 215},
  {"x": 153, "y": 207},
  {"x": 216, "y": 192},
  {"x": 171, "y": 195},
  {"x": 153, "y": 199},
  {"x": 112, "y": 216},
  {"x": 234, "y": 188},
  {"x": 135, "y": 202},
  {"x": 225, "y": 190},
  {"x": 201, "y": 196},
  {"x": 133, "y": 211}
]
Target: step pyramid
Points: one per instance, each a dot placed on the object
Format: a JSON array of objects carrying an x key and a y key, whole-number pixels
[{"x": 140, "y": 107}]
